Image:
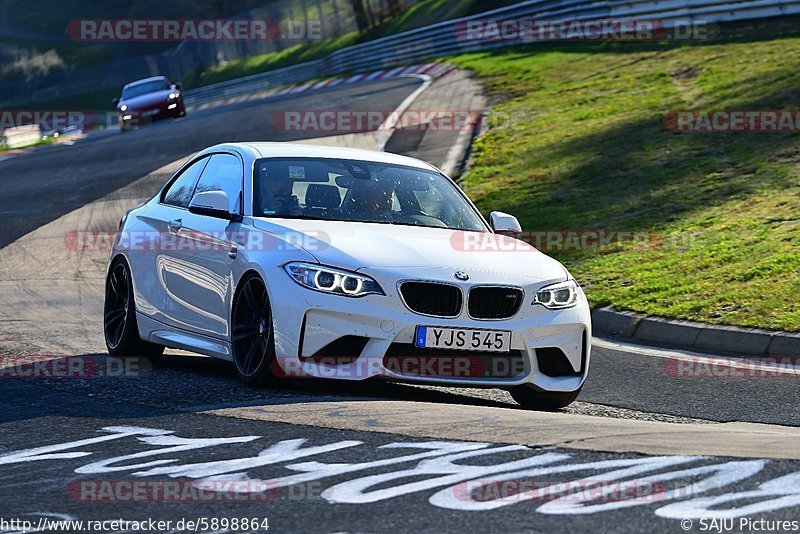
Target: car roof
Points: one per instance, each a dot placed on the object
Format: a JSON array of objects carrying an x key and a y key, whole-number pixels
[
  {"x": 299, "y": 150},
  {"x": 151, "y": 79}
]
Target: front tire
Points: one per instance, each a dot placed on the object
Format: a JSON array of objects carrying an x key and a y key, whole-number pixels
[
  {"x": 119, "y": 317},
  {"x": 547, "y": 401},
  {"x": 252, "y": 333}
]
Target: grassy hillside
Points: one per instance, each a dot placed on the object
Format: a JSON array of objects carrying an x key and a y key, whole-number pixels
[
  {"x": 593, "y": 152},
  {"x": 429, "y": 12},
  {"x": 424, "y": 13},
  {"x": 46, "y": 16},
  {"x": 266, "y": 62},
  {"x": 46, "y": 23},
  {"x": 49, "y": 20}
]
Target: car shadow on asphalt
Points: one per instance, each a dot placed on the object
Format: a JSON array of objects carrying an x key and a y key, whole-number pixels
[{"x": 99, "y": 385}]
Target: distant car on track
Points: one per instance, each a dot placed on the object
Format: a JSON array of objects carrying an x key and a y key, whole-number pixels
[
  {"x": 293, "y": 260},
  {"x": 149, "y": 100}
]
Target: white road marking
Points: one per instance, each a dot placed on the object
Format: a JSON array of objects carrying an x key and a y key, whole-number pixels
[
  {"x": 457, "y": 151},
  {"x": 386, "y": 129},
  {"x": 459, "y": 484}
]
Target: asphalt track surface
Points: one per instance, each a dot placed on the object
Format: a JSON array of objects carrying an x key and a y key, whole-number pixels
[
  {"x": 64, "y": 178},
  {"x": 40, "y": 187}
]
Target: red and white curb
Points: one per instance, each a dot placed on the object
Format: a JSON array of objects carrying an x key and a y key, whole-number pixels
[{"x": 434, "y": 70}]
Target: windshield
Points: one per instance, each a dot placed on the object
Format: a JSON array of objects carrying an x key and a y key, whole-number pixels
[
  {"x": 145, "y": 88},
  {"x": 349, "y": 190}
]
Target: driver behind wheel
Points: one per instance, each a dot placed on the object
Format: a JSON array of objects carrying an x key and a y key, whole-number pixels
[
  {"x": 372, "y": 203},
  {"x": 277, "y": 196}
]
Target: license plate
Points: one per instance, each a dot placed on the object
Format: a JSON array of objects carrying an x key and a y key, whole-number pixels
[
  {"x": 434, "y": 337},
  {"x": 150, "y": 113}
]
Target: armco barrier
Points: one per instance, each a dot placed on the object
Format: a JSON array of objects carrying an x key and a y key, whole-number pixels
[
  {"x": 441, "y": 39},
  {"x": 21, "y": 136}
]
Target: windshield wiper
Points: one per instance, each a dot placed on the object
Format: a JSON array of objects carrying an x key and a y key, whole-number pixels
[
  {"x": 302, "y": 217},
  {"x": 316, "y": 218}
]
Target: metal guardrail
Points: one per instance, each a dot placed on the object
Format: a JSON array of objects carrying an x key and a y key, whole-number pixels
[
  {"x": 21, "y": 136},
  {"x": 268, "y": 80},
  {"x": 442, "y": 39}
]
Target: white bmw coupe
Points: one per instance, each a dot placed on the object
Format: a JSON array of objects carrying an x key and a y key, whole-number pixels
[{"x": 305, "y": 261}]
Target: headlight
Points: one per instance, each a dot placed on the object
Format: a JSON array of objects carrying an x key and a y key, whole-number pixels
[
  {"x": 123, "y": 107},
  {"x": 173, "y": 96},
  {"x": 558, "y": 296},
  {"x": 330, "y": 280}
]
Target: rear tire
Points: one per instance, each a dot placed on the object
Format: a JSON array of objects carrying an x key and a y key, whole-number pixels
[
  {"x": 252, "y": 333},
  {"x": 120, "y": 329},
  {"x": 547, "y": 401}
]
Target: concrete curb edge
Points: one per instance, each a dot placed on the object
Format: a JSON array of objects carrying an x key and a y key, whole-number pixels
[{"x": 698, "y": 336}]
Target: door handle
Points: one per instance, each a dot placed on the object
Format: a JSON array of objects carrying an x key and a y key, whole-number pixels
[
  {"x": 233, "y": 252},
  {"x": 175, "y": 225}
]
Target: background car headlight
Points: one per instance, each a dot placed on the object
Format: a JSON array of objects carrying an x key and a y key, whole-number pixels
[
  {"x": 558, "y": 296},
  {"x": 330, "y": 280}
]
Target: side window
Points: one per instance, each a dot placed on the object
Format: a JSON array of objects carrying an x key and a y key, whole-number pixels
[
  {"x": 223, "y": 173},
  {"x": 180, "y": 192}
]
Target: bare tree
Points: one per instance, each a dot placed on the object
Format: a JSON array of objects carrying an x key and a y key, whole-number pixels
[
  {"x": 360, "y": 12},
  {"x": 394, "y": 7}
]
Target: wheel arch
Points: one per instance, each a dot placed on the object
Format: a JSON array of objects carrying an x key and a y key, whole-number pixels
[
  {"x": 249, "y": 272},
  {"x": 120, "y": 256}
]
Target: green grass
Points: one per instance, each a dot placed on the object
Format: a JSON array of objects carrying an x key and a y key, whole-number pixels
[
  {"x": 266, "y": 62},
  {"x": 48, "y": 141},
  {"x": 432, "y": 11},
  {"x": 592, "y": 152}
]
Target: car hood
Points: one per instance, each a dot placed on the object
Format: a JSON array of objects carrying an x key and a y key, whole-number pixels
[
  {"x": 410, "y": 249},
  {"x": 146, "y": 101}
]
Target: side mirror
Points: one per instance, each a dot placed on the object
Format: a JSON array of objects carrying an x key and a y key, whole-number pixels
[
  {"x": 503, "y": 223},
  {"x": 115, "y": 101},
  {"x": 178, "y": 86},
  {"x": 212, "y": 204}
]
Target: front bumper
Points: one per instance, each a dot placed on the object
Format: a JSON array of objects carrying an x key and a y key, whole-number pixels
[
  {"x": 132, "y": 119},
  {"x": 307, "y": 322}
]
